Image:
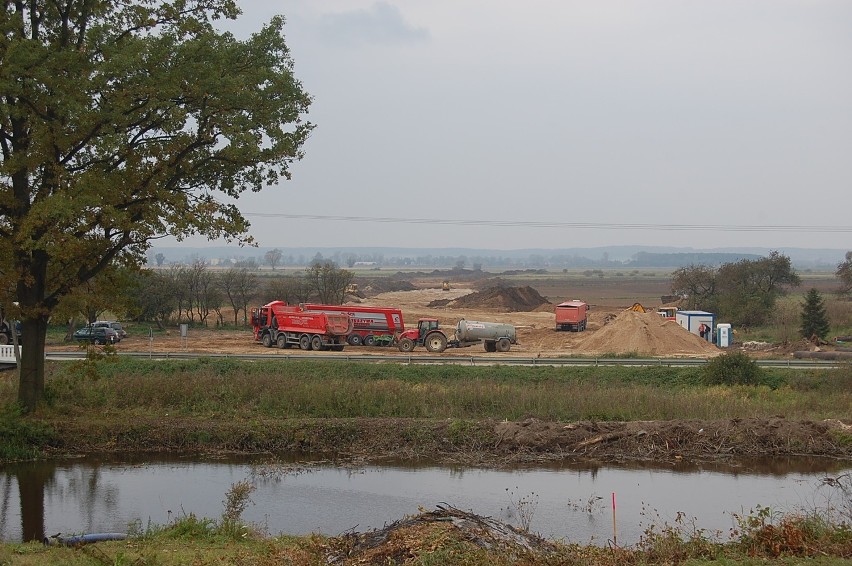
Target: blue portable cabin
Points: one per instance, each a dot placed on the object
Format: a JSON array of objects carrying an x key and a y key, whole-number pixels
[{"x": 692, "y": 320}]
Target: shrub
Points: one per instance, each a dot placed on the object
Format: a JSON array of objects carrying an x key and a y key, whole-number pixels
[{"x": 735, "y": 368}]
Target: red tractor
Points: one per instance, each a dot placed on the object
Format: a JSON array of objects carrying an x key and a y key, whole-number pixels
[{"x": 426, "y": 334}]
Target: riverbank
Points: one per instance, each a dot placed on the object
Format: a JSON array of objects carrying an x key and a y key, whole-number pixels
[{"x": 472, "y": 415}]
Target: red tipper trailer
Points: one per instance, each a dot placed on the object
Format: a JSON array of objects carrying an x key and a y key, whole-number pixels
[
  {"x": 571, "y": 315},
  {"x": 367, "y": 322},
  {"x": 280, "y": 324}
]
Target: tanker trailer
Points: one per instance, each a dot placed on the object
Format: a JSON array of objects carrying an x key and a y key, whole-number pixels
[{"x": 496, "y": 337}]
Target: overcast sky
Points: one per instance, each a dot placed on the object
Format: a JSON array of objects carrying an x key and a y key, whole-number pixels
[{"x": 498, "y": 118}]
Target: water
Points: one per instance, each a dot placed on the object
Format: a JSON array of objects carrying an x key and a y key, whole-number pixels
[{"x": 568, "y": 502}]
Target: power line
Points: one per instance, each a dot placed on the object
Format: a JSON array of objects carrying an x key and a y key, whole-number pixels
[{"x": 579, "y": 225}]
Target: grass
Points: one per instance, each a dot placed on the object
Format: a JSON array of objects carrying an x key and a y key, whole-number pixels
[{"x": 295, "y": 389}]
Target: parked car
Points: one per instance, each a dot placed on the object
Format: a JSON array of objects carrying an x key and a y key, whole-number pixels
[
  {"x": 6, "y": 332},
  {"x": 122, "y": 334},
  {"x": 96, "y": 335}
]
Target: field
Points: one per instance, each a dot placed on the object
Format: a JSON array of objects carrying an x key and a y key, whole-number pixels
[{"x": 608, "y": 293}]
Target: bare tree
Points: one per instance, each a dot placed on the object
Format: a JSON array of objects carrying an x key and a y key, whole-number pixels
[
  {"x": 272, "y": 258},
  {"x": 328, "y": 281},
  {"x": 238, "y": 285}
]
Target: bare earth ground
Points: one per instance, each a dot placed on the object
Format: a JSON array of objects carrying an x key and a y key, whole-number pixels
[{"x": 611, "y": 330}]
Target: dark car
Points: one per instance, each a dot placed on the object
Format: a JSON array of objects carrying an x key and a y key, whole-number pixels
[
  {"x": 96, "y": 335},
  {"x": 122, "y": 334}
]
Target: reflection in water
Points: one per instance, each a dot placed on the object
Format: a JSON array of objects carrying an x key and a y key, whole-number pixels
[{"x": 568, "y": 501}]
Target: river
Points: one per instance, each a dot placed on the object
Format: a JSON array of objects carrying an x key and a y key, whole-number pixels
[{"x": 571, "y": 502}]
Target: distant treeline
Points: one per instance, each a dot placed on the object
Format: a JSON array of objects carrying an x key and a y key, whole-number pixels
[{"x": 648, "y": 259}]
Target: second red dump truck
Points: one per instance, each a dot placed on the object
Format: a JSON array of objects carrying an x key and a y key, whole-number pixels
[
  {"x": 282, "y": 325},
  {"x": 371, "y": 326},
  {"x": 572, "y": 315}
]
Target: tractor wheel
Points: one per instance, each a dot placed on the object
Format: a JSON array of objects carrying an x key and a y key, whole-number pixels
[
  {"x": 316, "y": 343},
  {"x": 435, "y": 342},
  {"x": 503, "y": 345},
  {"x": 305, "y": 342},
  {"x": 406, "y": 345},
  {"x": 266, "y": 340},
  {"x": 355, "y": 340}
]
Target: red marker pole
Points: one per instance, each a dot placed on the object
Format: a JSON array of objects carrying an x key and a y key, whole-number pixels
[{"x": 614, "y": 534}]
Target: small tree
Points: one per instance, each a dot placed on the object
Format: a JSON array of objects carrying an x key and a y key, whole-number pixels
[
  {"x": 735, "y": 368},
  {"x": 814, "y": 317}
]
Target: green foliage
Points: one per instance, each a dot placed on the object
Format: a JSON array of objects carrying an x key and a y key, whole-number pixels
[
  {"x": 844, "y": 274},
  {"x": 21, "y": 438},
  {"x": 735, "y": 368},
  {"x": 115, "y": 132},
  {"x": 742, "y": 292},
  {"x": 814, "y": 317}
]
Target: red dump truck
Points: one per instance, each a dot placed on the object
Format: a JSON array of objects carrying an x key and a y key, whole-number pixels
[
  {"x": 572, "y": 315},
  {"x": 282, "y": 325},
  {"x": 371, "y": 326}
]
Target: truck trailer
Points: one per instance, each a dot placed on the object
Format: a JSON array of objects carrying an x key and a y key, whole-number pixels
[
  {"x": 572, "y": 315},
  {"x": 282, "y": 325},
  {"x": 370, "y": 325}
]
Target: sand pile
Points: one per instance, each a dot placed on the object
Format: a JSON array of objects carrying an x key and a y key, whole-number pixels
[
  {"x": 505, "y": 299},
  {"x": 646, "y": 334}
]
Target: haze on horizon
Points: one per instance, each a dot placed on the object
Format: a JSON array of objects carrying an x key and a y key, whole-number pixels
[{"x": 555, "y": 124}]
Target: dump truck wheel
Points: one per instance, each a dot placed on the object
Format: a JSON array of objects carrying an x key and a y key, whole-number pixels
[
  {"x": 316, "y": 343},
  {"x": 369, "y": 340},
  {"x": 435, "y": 342},
  {"x": 266, "y": 340},
  {"x": 355, "y": 340},
  {"x": 503, "y": 345},
  {"x": 305, "y": 342},
  {"x": 406, "y": 345},
  {"x": 282, "y": 341}
]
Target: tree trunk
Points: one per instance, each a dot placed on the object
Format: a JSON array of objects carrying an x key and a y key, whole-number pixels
[{"x": 31, "y": 384}]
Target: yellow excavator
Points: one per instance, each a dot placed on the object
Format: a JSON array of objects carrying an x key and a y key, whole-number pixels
[{"x": 637, "y": 307}]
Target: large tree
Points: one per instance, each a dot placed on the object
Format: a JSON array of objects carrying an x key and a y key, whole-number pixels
[
  {"x": 122, "y": 122},
  {"x": 844, "y": 274}
]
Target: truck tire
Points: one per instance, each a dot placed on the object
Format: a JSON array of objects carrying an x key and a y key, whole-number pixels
[
  {"x": 490, "y": 346},
  {"x": 282, "y": 341},
  {"x": 435, "y": 342},
  {"x": 406, "y": 345},
  {"x": 369, "y": 340},
  {"x": 266, "y": 340},
  {"x": 355, "y": 340},
  {"x": 503, "y": 345},
  {"x": 316, "y": 343},
  {"x": 305, "y": 342}
]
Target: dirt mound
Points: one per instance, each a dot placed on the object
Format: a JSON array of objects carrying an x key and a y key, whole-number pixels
[
  {"x": 645, "y": 334},
  {"x": 506, "y": 299},
  {"x": 416, "y": 535}
]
